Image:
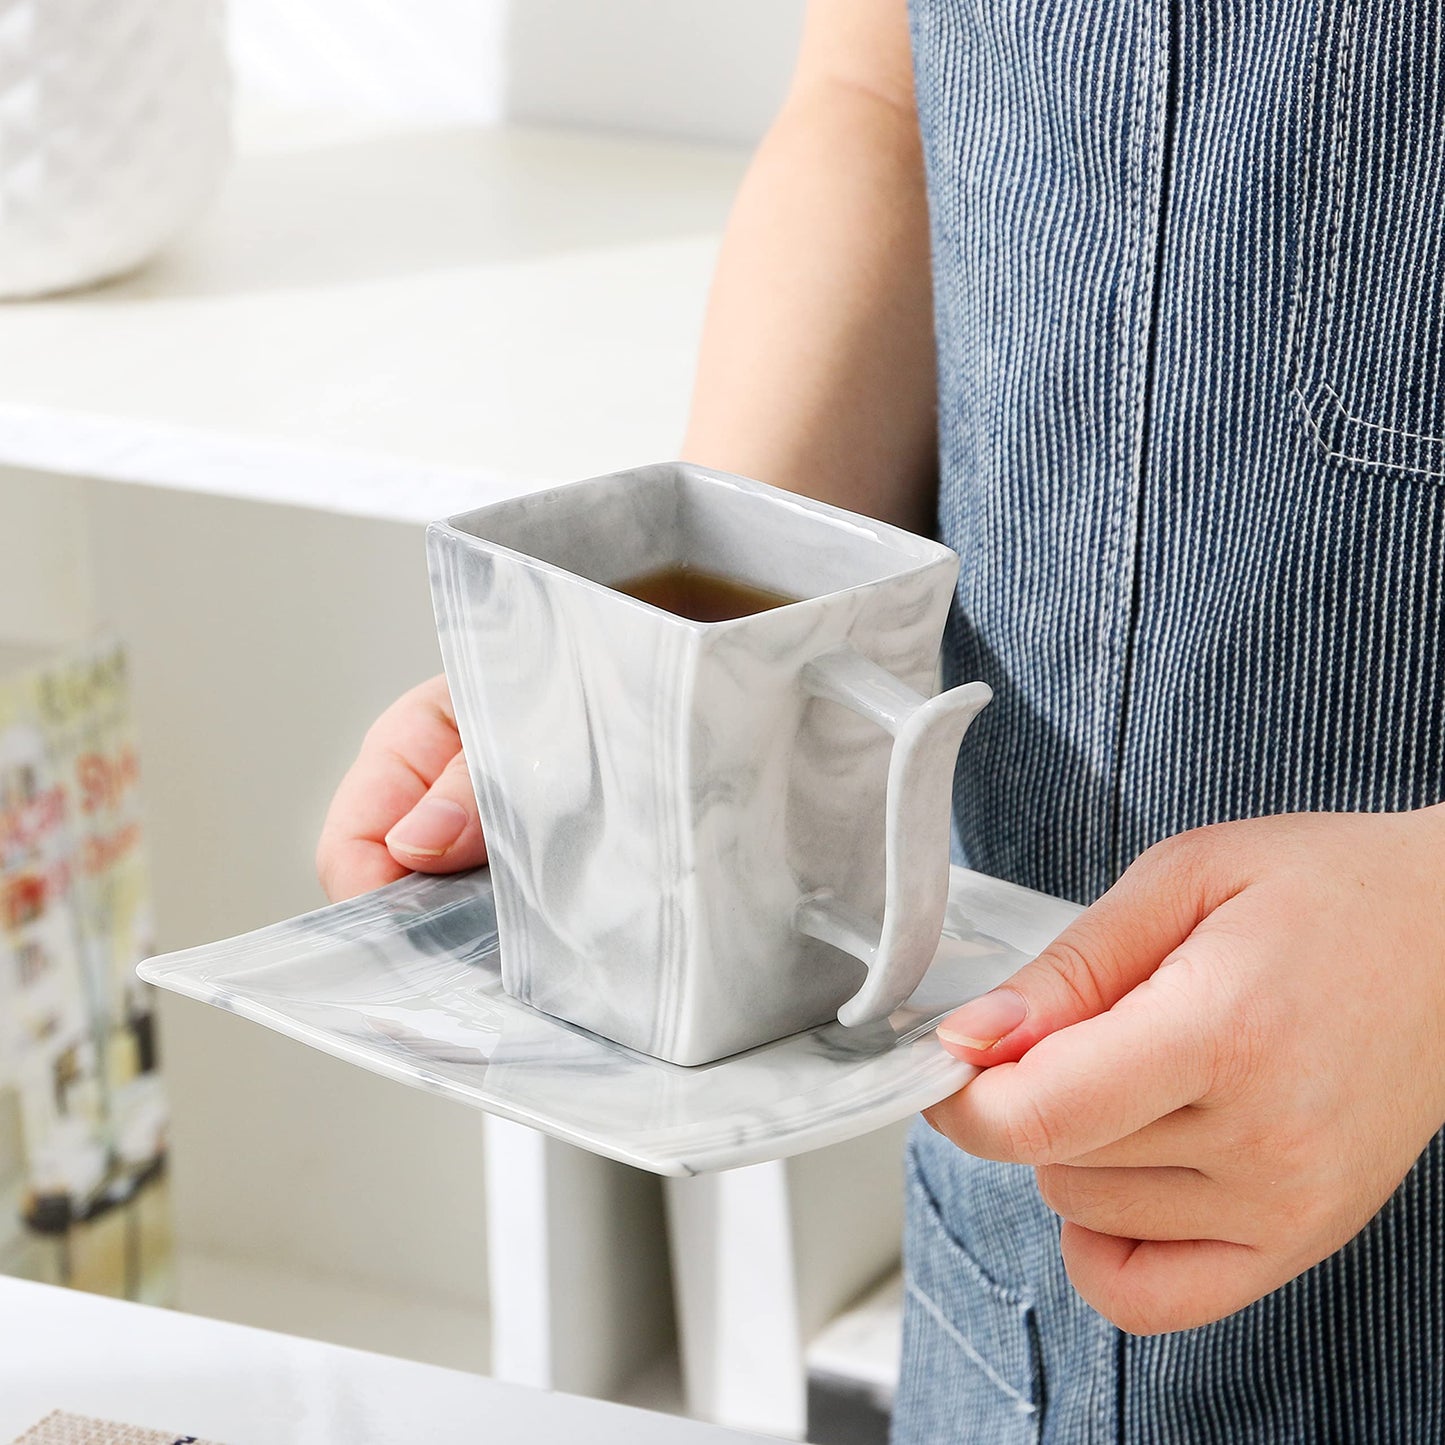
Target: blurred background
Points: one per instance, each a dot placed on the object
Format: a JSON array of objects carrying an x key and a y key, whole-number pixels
[{"x": 378, "y": 262}]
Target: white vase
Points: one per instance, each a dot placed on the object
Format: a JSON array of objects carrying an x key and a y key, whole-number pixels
[{"x": 114, "y": 129}]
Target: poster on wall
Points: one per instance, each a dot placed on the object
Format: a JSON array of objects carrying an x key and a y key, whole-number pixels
[{"x": 82, "y": 1110}]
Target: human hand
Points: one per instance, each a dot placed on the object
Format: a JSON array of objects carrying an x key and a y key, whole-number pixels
[
  {"x": 406, "y": 804},
  {"x": 1221, "y": 1071}
]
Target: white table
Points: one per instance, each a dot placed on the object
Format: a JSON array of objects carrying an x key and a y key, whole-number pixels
[{"x": 60, "y": 1349}]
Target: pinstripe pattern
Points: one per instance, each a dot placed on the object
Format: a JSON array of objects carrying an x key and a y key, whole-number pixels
[{"x": 1190, "y": 291}]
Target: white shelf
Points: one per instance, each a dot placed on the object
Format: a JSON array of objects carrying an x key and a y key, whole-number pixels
[{"x": 387, "y": 322}]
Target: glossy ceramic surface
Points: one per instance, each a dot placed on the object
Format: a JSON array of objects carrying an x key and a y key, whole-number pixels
[
  {"x": 687, "y": 822},
  {"x": 406, "y": 981}
]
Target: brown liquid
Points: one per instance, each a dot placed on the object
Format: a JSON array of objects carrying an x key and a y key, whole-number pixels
[{"x": 702, "y": 596}]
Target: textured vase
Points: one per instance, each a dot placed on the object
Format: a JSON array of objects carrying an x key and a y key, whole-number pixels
[{"x": 114, "y": 129}]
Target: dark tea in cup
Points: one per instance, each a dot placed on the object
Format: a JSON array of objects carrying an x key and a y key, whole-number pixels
[{"x": 702, "y": 596}]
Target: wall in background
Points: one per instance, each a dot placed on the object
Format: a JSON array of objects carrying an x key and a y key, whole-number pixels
[
  {"x": 694, "y": 69},
  {"x": 688, "y": 68},
  {"x": 45, "y": 591},
  {"x": 431, "y": 60}
]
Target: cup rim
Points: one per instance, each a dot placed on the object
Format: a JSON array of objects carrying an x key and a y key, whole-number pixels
[{"x": 915, "y": 553}]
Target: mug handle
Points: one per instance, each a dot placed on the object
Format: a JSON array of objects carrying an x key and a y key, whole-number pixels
[{"x": 927, "y": 733}]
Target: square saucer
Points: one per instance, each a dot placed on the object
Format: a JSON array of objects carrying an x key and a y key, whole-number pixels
[{"x": 406, "y": 982}]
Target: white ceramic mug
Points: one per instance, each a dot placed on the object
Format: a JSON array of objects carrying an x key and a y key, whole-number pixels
[{"x": 703, "y": 836}]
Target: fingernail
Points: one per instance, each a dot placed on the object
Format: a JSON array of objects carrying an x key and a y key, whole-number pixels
[
  {"x": 429, "y": 829},
  {"x": 983, "y": 1021}
]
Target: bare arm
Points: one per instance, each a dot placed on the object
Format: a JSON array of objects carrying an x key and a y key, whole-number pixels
[{"x": 816, "y": 371}]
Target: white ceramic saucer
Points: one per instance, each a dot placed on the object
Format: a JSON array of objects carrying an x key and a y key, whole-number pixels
[{"x": 406, "y": 982}]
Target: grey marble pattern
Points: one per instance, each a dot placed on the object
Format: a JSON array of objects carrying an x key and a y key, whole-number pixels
[
  {"x": 681, "y": 832},
  {"x": 406, "y": 981}
]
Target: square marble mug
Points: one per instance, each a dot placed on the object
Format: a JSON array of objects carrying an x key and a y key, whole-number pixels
[{"x": 703, "y": 836}]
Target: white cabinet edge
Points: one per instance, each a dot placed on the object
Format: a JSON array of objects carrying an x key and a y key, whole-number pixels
[{"x": 350, "y": 483}]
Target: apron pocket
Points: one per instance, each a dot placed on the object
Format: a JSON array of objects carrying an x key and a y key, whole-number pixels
[
  {"x": 1367, "y": 316},
  {"x": 972, "y": 1366}
]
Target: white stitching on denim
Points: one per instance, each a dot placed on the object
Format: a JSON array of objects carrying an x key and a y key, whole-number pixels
[
  {"x": 1025, "y": 1406},
  {"x": 1369, "y": 464},
  {"x": 1337, "y": 141},
  {"x": 1409, "y": 436},
  {"x": 1294, "y": 345},
  {"x": 1129, "y": 354},
  {"x": 1294, "y": 341}
]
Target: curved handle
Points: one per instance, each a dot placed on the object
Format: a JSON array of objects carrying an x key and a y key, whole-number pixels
[{"x": 927, "y": 733}]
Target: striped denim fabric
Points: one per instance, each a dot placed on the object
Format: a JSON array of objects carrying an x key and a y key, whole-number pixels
[{"x": 1189, "y": 271}]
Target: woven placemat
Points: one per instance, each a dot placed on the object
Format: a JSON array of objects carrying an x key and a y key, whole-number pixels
[{"x": 58, "y": 1428}]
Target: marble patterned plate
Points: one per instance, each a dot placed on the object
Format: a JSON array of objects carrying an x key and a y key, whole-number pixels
[{"x": 406, "y": 982}]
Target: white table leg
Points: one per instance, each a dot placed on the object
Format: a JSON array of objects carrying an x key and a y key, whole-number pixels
[
  {"x": 734, "y": 1279},
  {"x": 763, "y": 1258},
  {"x": 577, "y": 1264}
]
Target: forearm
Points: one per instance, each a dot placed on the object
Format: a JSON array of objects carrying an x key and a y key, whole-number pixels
[{"x": 816, "y": 371}]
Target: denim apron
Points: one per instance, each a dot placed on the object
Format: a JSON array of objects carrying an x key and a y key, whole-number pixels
[{"x": 1189, "y": 272}]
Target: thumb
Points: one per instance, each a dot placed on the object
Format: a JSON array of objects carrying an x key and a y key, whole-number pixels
[
  {"x": 1106, "y": 951},
  {"x": 442, "y": 833}
]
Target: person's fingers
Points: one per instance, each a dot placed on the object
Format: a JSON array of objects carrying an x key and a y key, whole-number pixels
[
  {"x": 442, "y": 832},
  {"x": 1139, "y": 1203},
  {"x": 348, "y": 866},
  {"x": 1150, "y": 1287},
  {"x": 405, "y": 751},
  {"x": 1105, "y": 1078},
  {"x": 1177, "y": 1140},
  {"x": 351, "y": 856},
  {"x": 1103, "y": 954}
]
